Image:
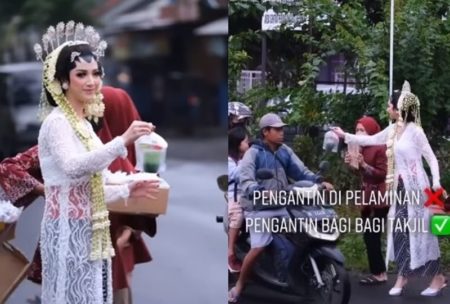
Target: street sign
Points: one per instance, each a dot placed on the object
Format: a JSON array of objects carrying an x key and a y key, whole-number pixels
[{"x": 272, "y": 21}]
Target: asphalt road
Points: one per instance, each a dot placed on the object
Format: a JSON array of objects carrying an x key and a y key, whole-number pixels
[{"x": 257, "y": 293}]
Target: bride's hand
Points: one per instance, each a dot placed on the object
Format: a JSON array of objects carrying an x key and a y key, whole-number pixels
[
  {"x": 136, "y": 130},
  {"x": 339, "y": 132},
  {"x": 436, "y": 186},
  {"x": 145, "y": 189}
]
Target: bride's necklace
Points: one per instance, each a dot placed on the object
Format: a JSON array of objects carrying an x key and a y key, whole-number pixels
[
  {"x": 100, "y": 239},
  {"x": 76, "y": 122},
  {"x": 82, "y": 130}
]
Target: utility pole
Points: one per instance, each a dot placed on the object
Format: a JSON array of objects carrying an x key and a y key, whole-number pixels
[
  {"x": 263, "y": 58},
  {"x": 391, "y": 49}
]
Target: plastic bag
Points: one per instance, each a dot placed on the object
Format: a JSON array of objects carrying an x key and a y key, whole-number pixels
[{"x": 330, "y": 142}]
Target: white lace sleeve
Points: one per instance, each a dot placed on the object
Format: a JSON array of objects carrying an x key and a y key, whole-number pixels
[
  {"x": 422, "y": 142},
  {"x": 365, "y": 140},
  {"x": 116, "y": 178},
  {"x": 116, "y": 192},
  {"x": 61, "y": 141}
]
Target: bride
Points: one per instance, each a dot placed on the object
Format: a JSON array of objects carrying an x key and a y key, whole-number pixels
[
  {"x": 75, "y": 239},
  {"x": 415, "y": 253}
]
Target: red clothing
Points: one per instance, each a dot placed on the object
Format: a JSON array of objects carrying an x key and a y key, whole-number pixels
[
  {"x": 373, "y": 177},
  {"x": 370, "y": 125},
  {"x": 120, "y": 112},
  {"x": 19, "y": 175}
]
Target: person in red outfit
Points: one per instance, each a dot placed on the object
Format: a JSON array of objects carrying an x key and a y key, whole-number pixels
[
  {"x": 372, "y": 168},
  {"x": 21, "y": 183},
  {"x": 125, "y": 229}
]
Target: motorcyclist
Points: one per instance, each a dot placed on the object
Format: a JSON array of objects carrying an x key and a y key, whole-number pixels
[
  {"x": 237, "y": 146},
  {"x": 269, "y": 153},
  {"x": 239, "y": 116}
]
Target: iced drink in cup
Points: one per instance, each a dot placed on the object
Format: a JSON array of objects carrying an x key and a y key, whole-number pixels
[
  {"x": 151, "y": 153},
  {"x": 152, "y": 160}
]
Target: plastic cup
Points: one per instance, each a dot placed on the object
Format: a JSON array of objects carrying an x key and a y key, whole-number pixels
[{"x": 152, "y": 160}]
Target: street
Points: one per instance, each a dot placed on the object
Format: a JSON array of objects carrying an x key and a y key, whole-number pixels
[
  {"x": 189, "y": 250},
  {"x": 256, "y": 293}
]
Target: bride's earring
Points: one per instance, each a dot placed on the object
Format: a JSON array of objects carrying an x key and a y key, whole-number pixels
[
  {"x": 65, "y": 86},
  {"x": 95, "y": 108}
]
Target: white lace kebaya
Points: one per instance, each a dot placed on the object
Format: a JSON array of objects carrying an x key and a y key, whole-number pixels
[
  {"x": 75, "y": 238},
  {"x": 69, "y": 275},
  {"x": 406, "y": 151}
]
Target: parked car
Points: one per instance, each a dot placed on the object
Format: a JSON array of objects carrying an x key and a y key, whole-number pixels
[{"x": 20, "y": 91}]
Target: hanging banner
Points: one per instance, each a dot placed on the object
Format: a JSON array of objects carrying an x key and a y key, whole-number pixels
[{"x": 272, "y": 21}]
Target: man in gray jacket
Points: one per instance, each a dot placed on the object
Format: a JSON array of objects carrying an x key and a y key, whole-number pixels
[{"x": 267, "y": 153}]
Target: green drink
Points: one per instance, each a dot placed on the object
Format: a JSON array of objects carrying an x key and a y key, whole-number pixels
[{"x": 151, "y": 161}]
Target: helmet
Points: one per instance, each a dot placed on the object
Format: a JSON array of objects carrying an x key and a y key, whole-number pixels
[
  {"x": 239, "y": 110},
  {"x": 238, "y": 114}
]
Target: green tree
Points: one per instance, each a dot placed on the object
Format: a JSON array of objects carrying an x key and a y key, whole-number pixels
[{"x": 360, "y": 31}]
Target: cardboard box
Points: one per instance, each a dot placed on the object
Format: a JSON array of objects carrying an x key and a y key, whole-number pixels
[
  {"x": 14, "y": 266},
  {"x": 7, "y": 232},
  {"x": 144, "y": 205}
]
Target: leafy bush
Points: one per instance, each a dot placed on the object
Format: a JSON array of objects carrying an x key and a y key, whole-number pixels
[
  {"x": 443, "y": 156},
  {"x": 445, "y": 253},
  {"x": 353, "y": 247}
]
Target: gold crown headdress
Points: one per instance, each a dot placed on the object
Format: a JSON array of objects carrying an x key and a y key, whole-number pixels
[
  {"x": 69, "y": 34},
  {"x": 53, "y": 41},
  {"x": 408, "y": 103}
]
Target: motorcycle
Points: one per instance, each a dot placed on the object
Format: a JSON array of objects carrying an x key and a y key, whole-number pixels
[{"x": 306, "y": 263}]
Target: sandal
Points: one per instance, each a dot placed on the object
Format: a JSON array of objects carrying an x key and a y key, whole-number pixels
[
  {"x": 371, "y": 280},
  {"x": 233, "y": 296}
]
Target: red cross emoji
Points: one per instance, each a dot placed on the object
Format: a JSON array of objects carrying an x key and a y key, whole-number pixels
[{"x": 433, "y": 198}]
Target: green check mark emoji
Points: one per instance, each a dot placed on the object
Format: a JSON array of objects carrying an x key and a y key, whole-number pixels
[{"x": 440, "y": 224}]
